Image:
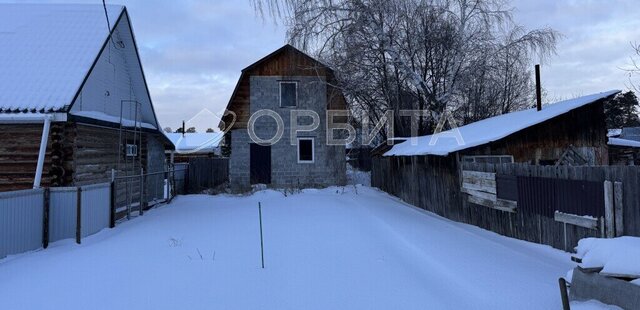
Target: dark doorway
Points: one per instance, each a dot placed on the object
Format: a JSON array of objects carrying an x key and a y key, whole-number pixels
[{"x": 260, "y": 163}]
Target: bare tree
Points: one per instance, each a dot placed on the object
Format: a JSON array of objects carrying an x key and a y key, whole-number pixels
[{"x": 466, "y": 57}]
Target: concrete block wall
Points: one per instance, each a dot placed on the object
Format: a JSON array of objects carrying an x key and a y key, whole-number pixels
[{"x": 329, "y": 166}]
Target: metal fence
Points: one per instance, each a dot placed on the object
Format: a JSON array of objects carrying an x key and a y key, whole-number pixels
[{"x": 21, "y": 221}]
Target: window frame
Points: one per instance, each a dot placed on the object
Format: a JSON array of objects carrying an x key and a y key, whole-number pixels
[
  {"x": 280, "y": 93},
  {"x": 313, "y": 150},
  {"x": 133, "y": 146}
]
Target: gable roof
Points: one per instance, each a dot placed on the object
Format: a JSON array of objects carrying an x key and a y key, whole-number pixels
[
  {"x": 47, "y": 50},
  {"x": 285, "y": 61},
  {"x": 491, "y": 129}
]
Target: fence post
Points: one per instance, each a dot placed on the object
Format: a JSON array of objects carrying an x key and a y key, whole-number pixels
[
  {"x": 45, "y": 217},
  {"x": 608, "y": 209},
  {"x": 112, "y": 204},
  {"x": 79, "y": 215},
  {"x": 142, "y": 198},
  {"x": 619, "y": 209}
]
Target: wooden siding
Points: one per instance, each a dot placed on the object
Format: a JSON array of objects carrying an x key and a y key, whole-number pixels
[
  {"x": 582, "y": 128},
  {"x": 284, "y": 62}
]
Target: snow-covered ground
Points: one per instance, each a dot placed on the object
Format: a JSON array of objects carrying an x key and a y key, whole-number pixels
[{"x": 336, "y": 248}]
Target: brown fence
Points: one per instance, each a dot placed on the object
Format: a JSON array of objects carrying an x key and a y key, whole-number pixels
[
  {"x": 207, "y": 173},
  {"x": 516, "y": 200}
]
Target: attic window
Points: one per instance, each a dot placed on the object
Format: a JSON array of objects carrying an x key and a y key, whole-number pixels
[{"x": 288, "y": 94}]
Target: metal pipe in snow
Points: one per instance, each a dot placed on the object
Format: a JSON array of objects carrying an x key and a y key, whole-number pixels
[
  {"x": 43, "y": 149},
  {"x": 538, "y": 89}
]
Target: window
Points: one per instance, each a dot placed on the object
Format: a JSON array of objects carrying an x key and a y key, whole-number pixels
[
  {"x": 305, "y": 150},
  {"x": 132, "y": 150},
  {"x": 288, "y": 94},
  {"x": 488, "y": 159}
]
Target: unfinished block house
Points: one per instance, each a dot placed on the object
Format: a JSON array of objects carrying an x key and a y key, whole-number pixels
[{"x": 284, "y": 81}]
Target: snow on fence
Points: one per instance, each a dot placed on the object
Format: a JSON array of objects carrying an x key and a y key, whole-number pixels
[
  {"x": 464, "y": 193},
  {"x": 21, "y": 221}
]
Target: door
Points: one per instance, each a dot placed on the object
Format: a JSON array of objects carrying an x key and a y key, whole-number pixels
[{"x": 260, "y": 163}]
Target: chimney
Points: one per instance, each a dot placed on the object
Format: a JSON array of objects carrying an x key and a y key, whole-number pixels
[{"x": 538, "y": 89}]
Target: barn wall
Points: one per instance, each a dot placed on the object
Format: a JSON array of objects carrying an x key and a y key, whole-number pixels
[{"x": 584, "y": 128}]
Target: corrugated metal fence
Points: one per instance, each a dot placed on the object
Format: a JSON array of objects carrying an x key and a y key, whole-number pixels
[
  {"x": 206, "y": 173},
  {"x": 21, "y": 221},
  {"x": 30, "y": 219}
]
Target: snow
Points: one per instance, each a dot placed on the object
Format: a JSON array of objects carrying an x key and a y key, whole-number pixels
[
  {"x": 46, "y": 50},
  {"x": 101, "y": 116},
  {"x": 195, "y": 142},
  {"x": 358, "y": 177},
  {"x": 617, "y": 255},
  {"x": 623, "y": 142},
  {"x": 490, "y": 129},
  {"x": 336, "y": 248},
  {"x": 614, "y": 132},
  {"x": 592, "y": 305}
]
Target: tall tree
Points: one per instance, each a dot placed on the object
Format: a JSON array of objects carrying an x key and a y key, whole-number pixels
[
  {"x": 622, "y": 111},
  {"x": 465, "y": 57}
]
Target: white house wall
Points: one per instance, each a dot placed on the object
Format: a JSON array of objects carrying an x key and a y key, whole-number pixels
[{"x": 117, "y": 77}]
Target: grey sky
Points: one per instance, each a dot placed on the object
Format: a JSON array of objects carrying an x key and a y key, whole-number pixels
[{"x": 193, "y": 50}]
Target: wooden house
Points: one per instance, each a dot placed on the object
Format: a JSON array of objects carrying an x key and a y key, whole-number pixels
[
  {"x": 284, "y": 81},
  {"x": 571, "y": 132},
  {"x": 195, "y": 145},
  {"x": 74, "y": 102}
]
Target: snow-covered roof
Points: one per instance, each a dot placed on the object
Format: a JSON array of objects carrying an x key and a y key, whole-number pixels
[
  {"x": 195, "y": 142},
  {"x": 46, "y": 50},
  {"x": 623, "y": 142},
  {"x": 490, "y": 129},
  {"x": 614, "y": 132},
  {"x": 113, "y": 119}
]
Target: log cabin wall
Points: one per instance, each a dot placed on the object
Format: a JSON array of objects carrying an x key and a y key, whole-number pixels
[
  {"x": 97, "y": 150},
  {"x": 19, "y": 148},
  {"x": 584, "y": 128}
]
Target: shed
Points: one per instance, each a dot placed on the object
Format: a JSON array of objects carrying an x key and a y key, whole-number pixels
[
  {"x": 624, "y": 146},
  {"x": 74, "y": 102},
  {"x": 195, "y": 145}
]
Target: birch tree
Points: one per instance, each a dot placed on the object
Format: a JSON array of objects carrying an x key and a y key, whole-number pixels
[{"x": 465, "y": 57}]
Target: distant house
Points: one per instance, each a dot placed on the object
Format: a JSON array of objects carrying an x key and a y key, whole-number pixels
[
  {"x": 191, "y": 145},
  {"x": 284, "y": 80},
  {"x": 74, "y": 103},
  {"x": 624, "y": 146}
]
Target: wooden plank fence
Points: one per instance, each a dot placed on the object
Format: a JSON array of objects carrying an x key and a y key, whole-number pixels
[
  {"x": 465, "y": 194},
  {"x": 206, "y": 173}
]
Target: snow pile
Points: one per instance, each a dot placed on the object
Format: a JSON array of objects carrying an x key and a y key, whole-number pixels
[
  {"x": 592, "y": 305},
  {"x": 335, "y": 248},
  {"x": 617, "y": 256},
  {"x": 46, "y": 50},
  {"x": 490, "y": 129},
  {"x": 623, "y": 142}
]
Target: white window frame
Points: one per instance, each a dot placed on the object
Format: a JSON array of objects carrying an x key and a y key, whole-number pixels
[
  {"x": 313, "y": 150},
  {"x": 131, "y": 150},
  {"x": 280, "y": 93}
]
